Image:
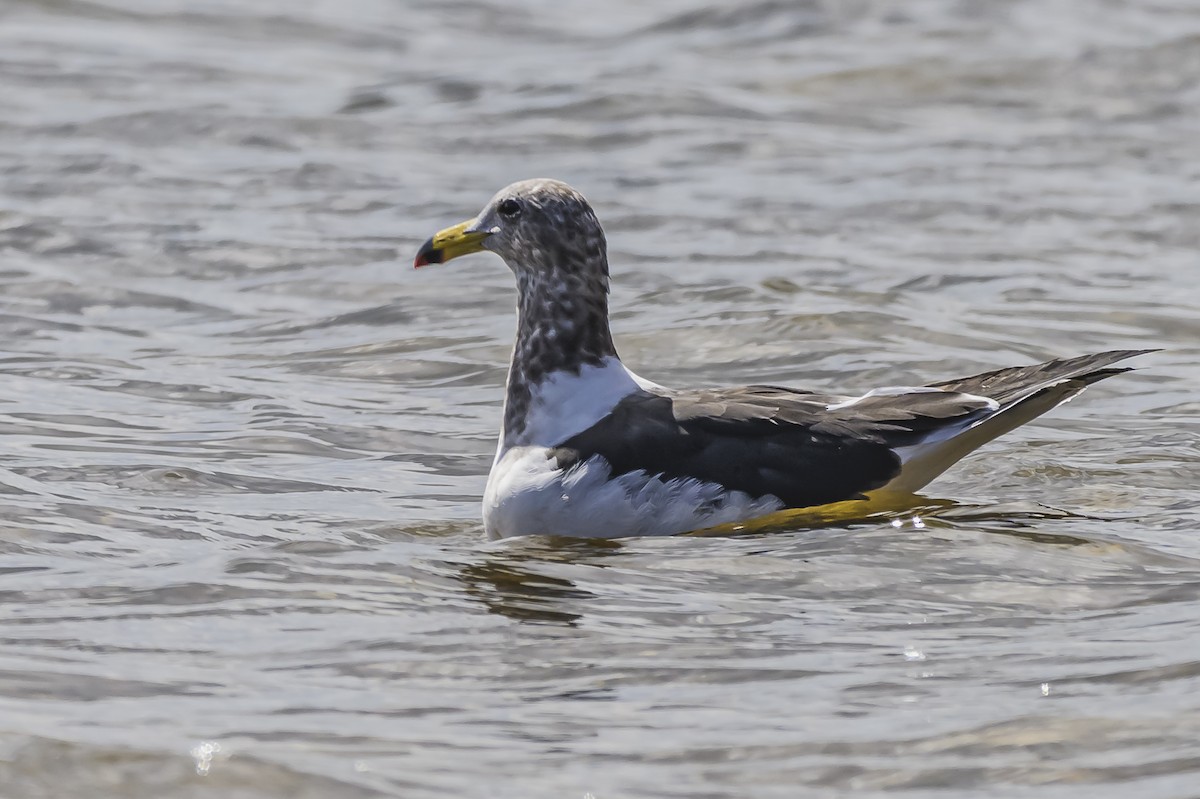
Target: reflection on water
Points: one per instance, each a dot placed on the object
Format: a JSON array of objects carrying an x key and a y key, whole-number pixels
[
  {"x": 244, "y": 443},
  {"x": 518, "y": 581},
  {"x": 527, "y": 580}
]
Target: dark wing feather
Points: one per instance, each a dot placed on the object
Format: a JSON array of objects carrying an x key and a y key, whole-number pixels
[
  {"x": 768, "y": 440},
  {"x": 1015, "y": 383},
  {"x": 810, "y": 449}
]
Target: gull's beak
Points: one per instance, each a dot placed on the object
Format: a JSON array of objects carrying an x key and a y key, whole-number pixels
[{"x": 451, "y": 243}]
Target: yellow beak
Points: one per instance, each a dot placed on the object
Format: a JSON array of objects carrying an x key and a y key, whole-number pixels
[{"x": 450, "y": 243}]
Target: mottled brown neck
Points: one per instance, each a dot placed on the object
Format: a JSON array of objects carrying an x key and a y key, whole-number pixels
[{"x": 562, "y": 325}]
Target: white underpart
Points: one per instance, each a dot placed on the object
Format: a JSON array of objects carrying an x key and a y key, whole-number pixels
[
  {"x": 527, "y": 494},
  {"x": 935, "y": 437},
  {"x": 565, "y": 404},
  {"x": 924, "y": 461}
]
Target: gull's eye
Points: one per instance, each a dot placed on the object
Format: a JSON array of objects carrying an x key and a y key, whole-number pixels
[{"x": 509, "y": 209}]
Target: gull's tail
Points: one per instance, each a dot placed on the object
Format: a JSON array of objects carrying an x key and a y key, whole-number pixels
[{"x": 1023, "y": 392}]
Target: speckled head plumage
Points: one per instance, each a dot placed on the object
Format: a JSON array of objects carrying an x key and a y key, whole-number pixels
[
  {"x": 544, "y": 226},
  {"x": 549, "y": 236},
  {"x": 539, "y": 225}
]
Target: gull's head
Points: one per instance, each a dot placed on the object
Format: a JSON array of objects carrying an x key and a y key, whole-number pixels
[{"x": 538, "y": 225}]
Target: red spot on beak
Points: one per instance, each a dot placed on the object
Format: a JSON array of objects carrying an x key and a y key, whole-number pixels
[{"x": 428, "y": 254}]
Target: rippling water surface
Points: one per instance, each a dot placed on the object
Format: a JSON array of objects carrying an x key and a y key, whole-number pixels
[{"x": 243, "y": 443}]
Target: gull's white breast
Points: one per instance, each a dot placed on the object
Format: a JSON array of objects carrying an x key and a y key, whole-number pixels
[{"x": 565, "y": 404}]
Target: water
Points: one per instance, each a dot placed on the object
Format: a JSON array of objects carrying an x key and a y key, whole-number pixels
[{"x": 244, "y": 443}]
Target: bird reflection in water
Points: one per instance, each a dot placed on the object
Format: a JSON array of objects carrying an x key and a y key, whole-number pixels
[
  {"x": 526, "y": 579},
  {"x": 518, "y": 580}
]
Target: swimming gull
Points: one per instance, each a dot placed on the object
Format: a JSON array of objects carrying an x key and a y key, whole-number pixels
[{"x": 588, "y": 448}]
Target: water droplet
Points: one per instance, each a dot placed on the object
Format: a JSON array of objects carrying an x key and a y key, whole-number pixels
[
  {"x": 912, "y": 653},
  {"x": 897, "y": 523},
  {"x": 203, "y": 753},
  {"x": 1045, "y": 689}
]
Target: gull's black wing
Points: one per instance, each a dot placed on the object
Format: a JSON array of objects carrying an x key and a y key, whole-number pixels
[{"x": 804, "y": 448}]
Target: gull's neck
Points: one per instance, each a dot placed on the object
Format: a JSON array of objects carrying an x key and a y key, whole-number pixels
[{"x": 562, "y": 328}]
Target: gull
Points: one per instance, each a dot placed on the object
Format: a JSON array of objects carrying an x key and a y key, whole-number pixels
[{"x": 588, "y": 448}]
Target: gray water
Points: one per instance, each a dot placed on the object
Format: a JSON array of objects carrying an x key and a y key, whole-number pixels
[{"x": 243, "y": 442}]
